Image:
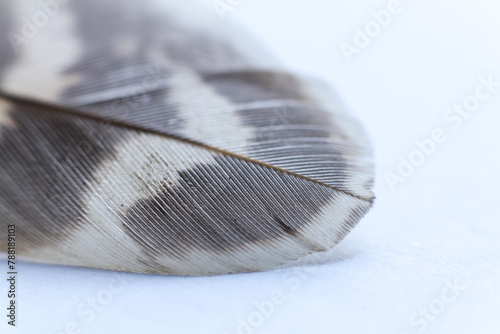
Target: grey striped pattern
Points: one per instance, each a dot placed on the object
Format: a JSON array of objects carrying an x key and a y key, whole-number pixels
[{"x": 159, "y": 140}]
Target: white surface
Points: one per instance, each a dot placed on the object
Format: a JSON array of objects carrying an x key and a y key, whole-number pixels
[{"x": 440, "y": 226}]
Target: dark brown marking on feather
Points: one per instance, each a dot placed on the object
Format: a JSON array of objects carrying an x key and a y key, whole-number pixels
[
  {"x": 158, "y": 43},
  {"x": 47, "y": 161},
  {"x": 104, "y": 67},
  {"x": 227, "y": 205},
  {"x": 302, "y": 132},
  {"x": 285, "y": 227}
]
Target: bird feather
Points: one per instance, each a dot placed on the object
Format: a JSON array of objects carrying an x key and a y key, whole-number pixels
[{"x": 148, "y": 136}]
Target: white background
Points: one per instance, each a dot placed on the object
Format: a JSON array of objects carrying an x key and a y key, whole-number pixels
[{"x": 439, "y": 227}]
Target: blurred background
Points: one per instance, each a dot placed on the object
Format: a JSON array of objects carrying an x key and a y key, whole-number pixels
[{"x": 424, "y": 79}]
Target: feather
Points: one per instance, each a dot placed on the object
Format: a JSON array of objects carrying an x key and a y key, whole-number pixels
[{"x": 147, "y": 136}]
